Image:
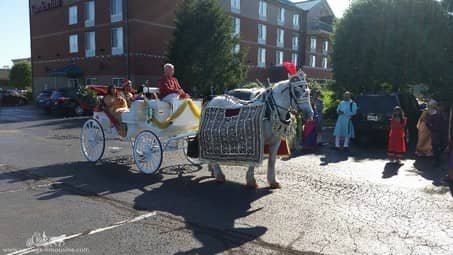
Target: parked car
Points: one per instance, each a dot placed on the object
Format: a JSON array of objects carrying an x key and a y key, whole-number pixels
[
  {"x": 65, "y": 101},
  {"x": 374, "y": 113},
  {"x": 43, "y": 98},
  {"x": 12, "y": 98},
  {"x": 246, "y": 94}
]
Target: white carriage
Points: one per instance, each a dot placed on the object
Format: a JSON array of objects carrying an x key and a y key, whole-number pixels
[{"x": 153, "y": 126}]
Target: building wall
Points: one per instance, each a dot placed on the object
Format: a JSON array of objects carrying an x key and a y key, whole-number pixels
[{"x": 147, "y": 33}]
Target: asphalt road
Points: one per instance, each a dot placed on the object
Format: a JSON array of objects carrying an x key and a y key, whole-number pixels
[{"x": 330, "y": 202}]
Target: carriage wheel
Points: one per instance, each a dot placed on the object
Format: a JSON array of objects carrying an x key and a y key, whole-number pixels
[
  {"x": 147, "y": 152},
  {"x": 92, "y": 140},
  {"x": 193, "y": 161}
]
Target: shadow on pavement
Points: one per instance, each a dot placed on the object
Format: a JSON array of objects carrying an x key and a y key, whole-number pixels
[
  {"x": 209, "y": 210},
  {"x": 390, "y": 170}
]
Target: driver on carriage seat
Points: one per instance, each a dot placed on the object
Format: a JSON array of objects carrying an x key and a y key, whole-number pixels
[{"x": 169, "y": 86}]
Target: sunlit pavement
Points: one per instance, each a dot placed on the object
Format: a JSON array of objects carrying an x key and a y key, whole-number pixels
[{"x": 330, "y": 202}]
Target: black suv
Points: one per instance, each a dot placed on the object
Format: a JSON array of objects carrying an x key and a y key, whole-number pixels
[{"x": 375, "y": 111}]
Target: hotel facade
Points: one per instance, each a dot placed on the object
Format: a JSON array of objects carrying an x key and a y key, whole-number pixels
[{"x": 77, "y": 42}]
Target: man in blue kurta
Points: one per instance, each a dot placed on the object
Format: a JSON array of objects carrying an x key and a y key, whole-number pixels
[{"x": 344, "y": 128}]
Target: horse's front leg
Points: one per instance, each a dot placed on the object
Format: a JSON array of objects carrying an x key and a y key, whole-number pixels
[
  {"x": 271, "y": 175},
  {"x": 215, "y": 169},
  {"x": 250, "y": 178}
]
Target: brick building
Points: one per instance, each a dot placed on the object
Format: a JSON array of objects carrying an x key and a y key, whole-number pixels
[
  {"x": 103, "y": 41},
  {"x": 317, "y": 45}
]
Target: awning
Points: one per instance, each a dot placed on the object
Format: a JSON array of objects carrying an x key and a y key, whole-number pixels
[{"x": 71, "y": 71}]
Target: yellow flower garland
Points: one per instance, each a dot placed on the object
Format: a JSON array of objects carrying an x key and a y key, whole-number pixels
[{"x": 187, "y": 102}]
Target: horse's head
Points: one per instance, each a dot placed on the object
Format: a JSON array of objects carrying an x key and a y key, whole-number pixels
[{"x": 295, "y": 94}]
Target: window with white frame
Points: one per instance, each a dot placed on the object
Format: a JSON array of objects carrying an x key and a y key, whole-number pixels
[
  {"x": 73, "y": 44},
  {"x": 296, "y": 21},
  {"x": 90, "y": 44},
  {"x": 281, "y": 16},
  {"x": 279, "y": 58},
  {"x": 280, "y": 38},
  {"x": 325, "y": 62},
  {"x": 262, "y": 9},
  {"x": 91, "y": 81},
  {"x": 117, "y": 82},
  {"x": 294, "y": 58},
  {"x": 237, "y": 49},
  {"x": 312, "y": 60},
  {"x": 237, "y": 26},
  {"x": 73, "y": 83},
  {"x": 261, "y": 57},
  {"x": 313, "y": 43},
  {"x": 73, "y": 15},
  {"x": 89, "y": 14},
  {"x": 117, "y": 41},
  {"x": 236, "y": 6},
  {"x": 262, "y": 34},
  {"x": 326, "y": 46},
  {"x": 116, "y": 10},
  {"x": 295, "y": 42}
]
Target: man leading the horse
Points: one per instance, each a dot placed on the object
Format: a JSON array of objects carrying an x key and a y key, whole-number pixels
[{"x": 169, "y": 86}]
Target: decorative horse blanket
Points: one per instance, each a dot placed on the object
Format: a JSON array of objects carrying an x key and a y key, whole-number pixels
[{"x": 232, "y": 135}]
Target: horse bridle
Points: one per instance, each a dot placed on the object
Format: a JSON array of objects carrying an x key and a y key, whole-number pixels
[{"x": 270, "y": 101}]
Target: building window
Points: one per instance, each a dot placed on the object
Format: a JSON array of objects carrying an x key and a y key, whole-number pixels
[
  {"x": 90, "y": 81},
  {"x": 280, "y": 38},
  {"x": 295, "y": 42},
  {"x": 73, "y": 44},
  {"x": 237, "y": 26},
  {"x": 262, "y": 10},
  {"x": 296, "y": 23},
  {"x": 236, "y": 6},
  {"x": 73, "y": 83},
  {"x": 281, "y": 16},
  {"x": 90, "y": 43},
  {"x": 236, "y": 49},
  {"x": 313, "y": 44},
  {"x": 313, "y": 61},
  {"x": 261, "y": 34},
  {"x": 117, "y": 82},
  {"x": 326, "y": 47},
  {"x": 116, "y": 10},
  {"x": 89, "y": 14},
  {"x": 294, "y": 58},
  {"x": 117, "y": 41},
  {"x": 73, "y": 15},
  {"x": 261, "y": 57},
  {"x": 279, "y": 58},
  {"x": 325, "y": 63}
]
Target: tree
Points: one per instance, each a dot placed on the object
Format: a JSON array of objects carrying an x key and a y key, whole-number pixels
[
  {"x": 20, "y": 75},
  {"x": 397, "y": 42},
  {"x": 202, "y": 49}
]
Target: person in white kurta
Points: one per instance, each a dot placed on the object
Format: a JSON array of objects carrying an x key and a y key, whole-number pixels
[{"x": 344, "y": 127}]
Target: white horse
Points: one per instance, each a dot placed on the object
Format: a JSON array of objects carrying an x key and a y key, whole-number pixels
[{"x": 281, "y": 99}]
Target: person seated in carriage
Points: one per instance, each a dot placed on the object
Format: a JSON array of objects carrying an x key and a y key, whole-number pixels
[
  {"x": 127, "y": 92},
  {"x": 169, "y": 86},
  {"x": 115, "y": 104}
]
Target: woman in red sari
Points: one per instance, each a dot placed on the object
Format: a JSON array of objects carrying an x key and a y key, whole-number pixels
[{"x": 397, "y": 136}]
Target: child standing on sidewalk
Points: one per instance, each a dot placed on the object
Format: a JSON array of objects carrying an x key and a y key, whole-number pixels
[{"x": 397, "y": 136}]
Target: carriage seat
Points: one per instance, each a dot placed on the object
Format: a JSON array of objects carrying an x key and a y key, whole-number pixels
[{"x": 136, "y": 113}]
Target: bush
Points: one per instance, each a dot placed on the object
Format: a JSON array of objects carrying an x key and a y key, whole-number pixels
[
  {"x": 29, "y": 94},
  {"x": 88, "y": 97}
]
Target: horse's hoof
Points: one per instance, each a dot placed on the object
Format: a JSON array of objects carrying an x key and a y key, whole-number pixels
[
  {"x": 251, "y": 185},
  {"x": 275, "y": 186},
  {"x": 220, "y": 180}
]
